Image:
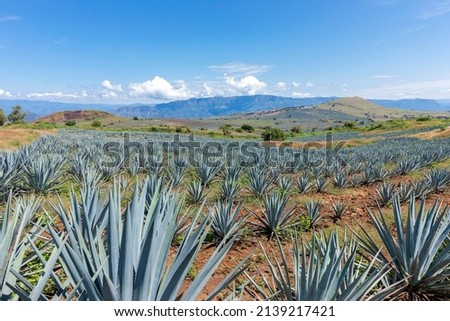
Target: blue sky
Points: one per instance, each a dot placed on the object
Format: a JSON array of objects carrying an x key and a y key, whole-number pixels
[{"x": 149, "y": 51}]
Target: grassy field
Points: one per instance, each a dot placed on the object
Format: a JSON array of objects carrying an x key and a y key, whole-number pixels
[{"x": 12, "y": 138}]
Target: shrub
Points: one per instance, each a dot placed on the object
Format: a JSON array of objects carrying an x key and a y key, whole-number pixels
[
  {"x": 226, "y": 132},
  {"x": 273, "y": 134},
  {"x": 423, "y": 118},
  {"x": 71, "y": 123},
  {"x": 296, "y": 129},
  {"x": 350, "y": 125},
  {"x": 247, "y": 128},
  {"x": 182, "y": 129},
  {"x": 96, "y": 123}
]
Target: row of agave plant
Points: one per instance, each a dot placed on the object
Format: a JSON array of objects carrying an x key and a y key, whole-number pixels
[
  {"x": 434, "y": 181},
  {"x": 41, "y": 166},
  {"x": 100, "y": 249}
]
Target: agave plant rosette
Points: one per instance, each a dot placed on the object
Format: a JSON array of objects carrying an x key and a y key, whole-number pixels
[{"x": 418, "y": 251}]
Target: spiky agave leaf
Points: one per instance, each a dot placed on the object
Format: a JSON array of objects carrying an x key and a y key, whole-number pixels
[
  {"x": 313, "y": 211},
  {"x": 259, "y": 183},
  {"x": 43, "y": 173},
  {"x": 8, "y": 173},
  {"x": 206, "y": 173},
  {"x": 229, "y": 190},
  {"x": 273, "y": 217},
  {"x": 303, "y": 184},
  {"x": 195, "y": 192},
  {"x": 438, "y": 180},
  {"x": 285, "y": 184},
  {"x": 339, "y": 209},
  {"x": 385, "y": 194},
  {"x": 225, "y": 221},
  {"x": 340, "y": 179},
  {"x": 419, "y": 251},
  {"x": 139, "y": 264},
  {"x": 12, "y": 225},
  {"x": 332, "y": 272}
]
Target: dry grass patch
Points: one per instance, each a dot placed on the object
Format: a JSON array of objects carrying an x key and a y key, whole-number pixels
[{"x": 12, "y": 138}]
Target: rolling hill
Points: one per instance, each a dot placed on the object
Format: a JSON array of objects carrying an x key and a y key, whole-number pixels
[
  {"x": 78, "y": 116},
  {"x": 361, "y": 108}
]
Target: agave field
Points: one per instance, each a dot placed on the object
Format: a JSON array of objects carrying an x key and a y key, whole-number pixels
[{"x": 88, "y": 215}]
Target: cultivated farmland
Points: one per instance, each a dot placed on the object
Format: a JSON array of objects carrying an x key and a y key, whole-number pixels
[{"x": 96, "y": 215}]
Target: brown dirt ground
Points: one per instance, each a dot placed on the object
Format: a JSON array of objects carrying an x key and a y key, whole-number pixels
[{"x": 359, "y": 200}]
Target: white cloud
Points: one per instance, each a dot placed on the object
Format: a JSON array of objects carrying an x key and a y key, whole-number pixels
[
  {"x": 4, "y": 93},
  {"x": 108, "y": 85},
  {"x": 296, "y": 84},
  {"x": 208, "y": 91},
  {"x": 281, "y": 85},
  {"x": 52, "y": 95},
  {"x": 159, "y": 88},
  {"x": 9, "y": 18},
  {"x": 110, "y": 90},
  {"x": 309, "y": 84},
  {"x": 240, "y": 69},
  {"x": 301, "y": 95},
  {"x": 248, "y": 85}
]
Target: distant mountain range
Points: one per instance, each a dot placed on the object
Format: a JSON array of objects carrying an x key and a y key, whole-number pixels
[
  {"x": 208, "y": 107},
  {"x": 216, "y": 106},
  {"x": 414, "y": 104}
]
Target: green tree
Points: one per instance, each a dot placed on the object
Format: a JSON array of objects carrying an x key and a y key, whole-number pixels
[
  {"x": 273, "y": 134},
  {"x": 16, "y": 115},
  {"x": 3, "y": 118}
]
